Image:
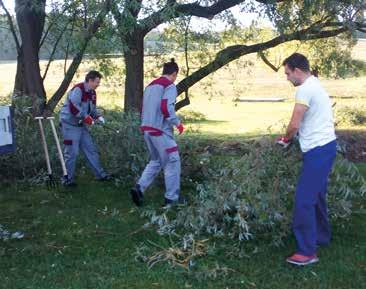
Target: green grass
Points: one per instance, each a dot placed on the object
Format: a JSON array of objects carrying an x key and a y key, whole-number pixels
[{"x": 87, "y": 238}]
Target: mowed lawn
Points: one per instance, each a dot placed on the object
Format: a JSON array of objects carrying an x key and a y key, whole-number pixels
[{"x": 88, "y": 238}]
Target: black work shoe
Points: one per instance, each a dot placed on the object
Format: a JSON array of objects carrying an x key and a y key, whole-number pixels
[
  {"x": 169, "y": 203},
  {"x": 66, "y": 182},
  {"x": 137, "y": 195},
  {"x": 106, "y": 178}
]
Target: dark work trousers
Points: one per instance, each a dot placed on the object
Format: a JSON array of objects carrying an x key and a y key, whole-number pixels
[{"x": 310, "y": 217}]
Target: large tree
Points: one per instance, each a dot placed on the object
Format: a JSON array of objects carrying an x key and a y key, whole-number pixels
[
  {"x": 30, "y": 33},
  {"x": 293, "y": 20}
]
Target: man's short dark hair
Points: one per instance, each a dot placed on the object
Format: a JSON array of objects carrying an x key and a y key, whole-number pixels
[
  {"x": 93, "y": 74},
  {"x": 170, "y": 67},
  {"x": 297, "y": 60}
]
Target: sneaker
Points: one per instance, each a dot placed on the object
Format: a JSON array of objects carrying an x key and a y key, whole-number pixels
[
  {"x": 17, "y": 235},
  {"x": 137, "y": 195},
  {"x": 181, "y": 201},
  {"x": 301, "y": 260},
  {"x": 70, "y": 184},
  {"x": 67, "y": 182}
]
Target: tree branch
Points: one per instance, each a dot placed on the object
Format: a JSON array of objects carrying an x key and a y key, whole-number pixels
[
  {"x": 173, "y": 10},
  {"x": 231, "y": 53},
  {"x": 134, "y": 8},
  {"x": 116, "y": 14},
  {"x": 11, "y": 25},
  {"x": 266, "y": 61},
  {"x": 50, "y": 26},
  {"x": 54, "y": 49},
  {"x": 130, "y": 10},
  {"x": 186, "y": 33},
  {"x": 68, "y": 43},
  {"x": 91, "y": 30}
]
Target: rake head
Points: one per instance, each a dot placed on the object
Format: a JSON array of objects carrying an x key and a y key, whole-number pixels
[{"x": 51, "y": 183}]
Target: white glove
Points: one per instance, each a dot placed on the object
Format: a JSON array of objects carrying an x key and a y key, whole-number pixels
[{"x": 101, "y": 119}]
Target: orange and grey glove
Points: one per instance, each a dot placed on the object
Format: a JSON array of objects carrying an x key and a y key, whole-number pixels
[{"x": 88, "y": 120}]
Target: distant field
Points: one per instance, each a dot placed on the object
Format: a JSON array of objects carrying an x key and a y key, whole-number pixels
[{"x": 214, "y": 96}]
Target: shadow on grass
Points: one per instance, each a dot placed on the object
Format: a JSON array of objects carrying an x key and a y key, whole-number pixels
[{"x": 206, "y": 121}]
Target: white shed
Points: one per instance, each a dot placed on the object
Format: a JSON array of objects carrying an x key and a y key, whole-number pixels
[{"x": 7, "y": 143}]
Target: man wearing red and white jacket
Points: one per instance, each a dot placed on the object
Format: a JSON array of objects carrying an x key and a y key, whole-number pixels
[
  {"x": 158, "y": 119},
  {"x": 77, "y": 114}
]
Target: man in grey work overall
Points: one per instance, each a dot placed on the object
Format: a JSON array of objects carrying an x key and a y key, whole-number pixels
[
  {"x": 77, "y": 115},
  {"x": 158, "y": 121}
]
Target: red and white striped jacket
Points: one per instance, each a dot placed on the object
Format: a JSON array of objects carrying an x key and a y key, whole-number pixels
[{"x": 158, "y": 109}]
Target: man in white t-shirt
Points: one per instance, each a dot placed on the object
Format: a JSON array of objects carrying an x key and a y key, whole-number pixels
[{"x": 312, "y": 118}]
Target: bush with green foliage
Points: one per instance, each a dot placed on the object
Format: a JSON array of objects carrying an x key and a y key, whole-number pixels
[
  {"x": 191, "y": 116},
  {"x": 28, "y": 162},
  {"x": 117, "y": 154},
  {"x": 351, "y": 115},
  {"x": 248, "y": 195},
  {"x": 124, "y": 153}
]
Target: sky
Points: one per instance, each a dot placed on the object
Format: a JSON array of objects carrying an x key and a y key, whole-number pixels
[{"x": 9, "y": 4}]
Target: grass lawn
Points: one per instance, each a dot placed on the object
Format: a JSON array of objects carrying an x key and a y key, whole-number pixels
[{"x": 87, "y": 238}]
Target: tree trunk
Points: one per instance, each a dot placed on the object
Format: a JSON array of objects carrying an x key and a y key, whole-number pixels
[
  {"x": 19, "y": 85},
  {"x": 30, "y": 17},
  {"x": 134, "y": 82}
]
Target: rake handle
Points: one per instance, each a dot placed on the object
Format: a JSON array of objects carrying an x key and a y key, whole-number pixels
[
  {"x": 44, "y": 143},
  {"x": 60, "y": 155}
]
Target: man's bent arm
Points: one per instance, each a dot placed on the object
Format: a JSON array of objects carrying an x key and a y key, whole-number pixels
[{"x": 297, "y": 116}]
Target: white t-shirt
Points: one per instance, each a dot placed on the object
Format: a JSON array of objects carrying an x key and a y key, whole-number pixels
[{"x": 317, "y": 126}]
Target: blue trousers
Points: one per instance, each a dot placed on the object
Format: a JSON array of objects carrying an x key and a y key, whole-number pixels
[
  {"x": 310, "y": 217},
  {"x": 78, "y": 138}
]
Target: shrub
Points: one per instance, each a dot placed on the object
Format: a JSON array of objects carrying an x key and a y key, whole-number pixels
[
  {"x": 250, "y": 195},
  {"x": 355, "y": 115},
  {"x": 122, "y": 154},
  {"x": 192, "y": 116},
  {"x": 28, "y": 162}
]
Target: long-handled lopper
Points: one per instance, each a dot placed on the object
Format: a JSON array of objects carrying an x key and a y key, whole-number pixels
[{"x": 116, "y": 131}]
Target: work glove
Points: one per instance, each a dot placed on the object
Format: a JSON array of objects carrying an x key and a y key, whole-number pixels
[
  {"x": 283, "y": 141},
  {"x": 88, "y": 120},
  {"x": 101, "y": 119},
  {"x": 180, "y": 128}
]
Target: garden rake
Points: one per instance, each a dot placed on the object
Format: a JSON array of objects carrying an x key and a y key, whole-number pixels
[
  {"x": 51, "y": 183},
  {"x": 60, "y": 155}
]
